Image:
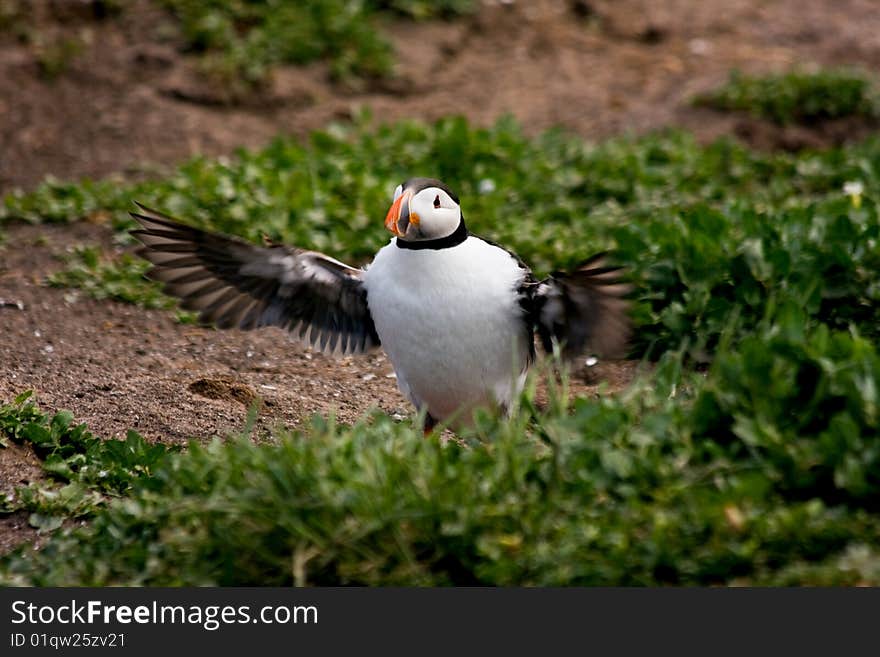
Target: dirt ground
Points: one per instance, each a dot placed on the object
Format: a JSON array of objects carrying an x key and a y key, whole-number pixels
[{"x": 132, "y": 104}]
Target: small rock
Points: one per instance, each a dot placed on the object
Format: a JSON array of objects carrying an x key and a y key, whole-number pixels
[
  {"x": 583, "y": 8},
  {"x": 699, "y": 46},
  {"x": 652, "y": 34}
]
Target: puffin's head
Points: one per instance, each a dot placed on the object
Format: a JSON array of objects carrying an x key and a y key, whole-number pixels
[{"x": 423, "y": 209}]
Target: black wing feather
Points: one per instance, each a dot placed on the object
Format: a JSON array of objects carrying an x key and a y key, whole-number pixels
[
  {"x": 233, "y": 283},
  {"x": 584, "y": 311}
]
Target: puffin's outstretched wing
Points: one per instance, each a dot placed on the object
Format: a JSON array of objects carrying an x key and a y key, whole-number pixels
[
  {"x": 583, "y": 311},
  {"x": 233, "y": 283}
]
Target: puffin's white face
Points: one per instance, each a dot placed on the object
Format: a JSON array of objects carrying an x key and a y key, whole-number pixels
[{"x": 422, "y": 211}]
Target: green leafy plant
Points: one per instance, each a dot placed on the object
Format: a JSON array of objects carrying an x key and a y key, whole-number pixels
[
  {"x": 55, "y": 56},
  {"x": 92, "y": 468},
  {"x": 684, "y": 479},
  {"x": 242, "y": 41},
  {"x": 797, "y": 97},
  {"x": 713, "y": 236},
  {"x": 748, "y": 455},
  {"x": 121, "y": 279},
  {"x": 73, "y": 454}
]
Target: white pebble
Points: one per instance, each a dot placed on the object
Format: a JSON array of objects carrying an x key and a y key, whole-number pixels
[{"x": 699, "y": 46}]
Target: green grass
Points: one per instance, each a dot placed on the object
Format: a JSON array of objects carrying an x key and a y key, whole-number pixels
[
  {"x": 90, "y": 470},
  {"x": 242, "y": 40},
  {"x": 54, "y": 57},
  {"x": 750, "y": 454},
  {"x": 797, "y": 97},
  {"x": 122, "y": 279},
  {"x": 53, "y": 52},
  {"x": 685, "y": 479},
  {"x": 715, "y": 237}
]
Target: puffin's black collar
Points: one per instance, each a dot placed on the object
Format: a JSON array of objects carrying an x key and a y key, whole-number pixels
[{"x": 453, "y": 239}]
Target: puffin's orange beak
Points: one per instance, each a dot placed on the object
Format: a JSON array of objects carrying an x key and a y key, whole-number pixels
[{"x": 399, "y": 217}]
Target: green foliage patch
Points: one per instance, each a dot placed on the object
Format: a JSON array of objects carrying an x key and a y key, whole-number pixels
[
  {"x": 797, "y": 97},
  {"x": 91, "y": 469},
  {"x": 243, "y": 39},
  {"x": 240, "y": 42},
  {"x": 684, "y": 479},
  {"x": 121, "y": 279},
  {"x": 749, "y": 454},
  {"x": 716, "y": 237}
]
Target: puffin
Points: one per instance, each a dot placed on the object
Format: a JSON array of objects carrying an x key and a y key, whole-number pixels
[{"x": 456, "y": 314}]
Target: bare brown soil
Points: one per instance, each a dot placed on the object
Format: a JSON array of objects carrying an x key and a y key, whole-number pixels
[{"x": 131, "y": 104}]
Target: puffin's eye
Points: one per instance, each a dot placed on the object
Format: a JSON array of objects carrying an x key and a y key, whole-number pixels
[{"x": 437, "y": 201}]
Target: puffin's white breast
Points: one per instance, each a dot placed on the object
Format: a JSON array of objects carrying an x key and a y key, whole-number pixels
[{"x": 450, "y": 322}]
